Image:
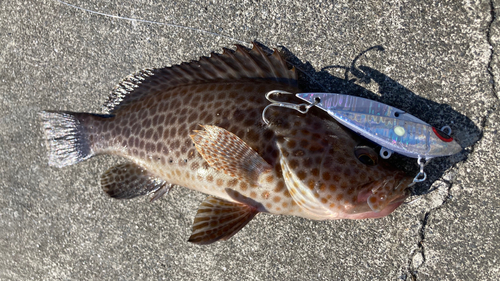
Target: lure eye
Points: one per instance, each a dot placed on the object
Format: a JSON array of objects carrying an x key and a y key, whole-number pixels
[
  {"x": 442, "y": 135},
  {"x": 366, "y": 155}
]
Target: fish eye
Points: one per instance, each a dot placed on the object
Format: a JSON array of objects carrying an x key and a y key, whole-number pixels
[{"x": 366, "y": 155}]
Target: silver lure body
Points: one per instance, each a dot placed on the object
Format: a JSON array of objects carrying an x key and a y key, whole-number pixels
[{"x": 390, "y": 127}]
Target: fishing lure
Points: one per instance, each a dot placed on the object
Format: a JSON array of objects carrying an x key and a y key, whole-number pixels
[{"x": 390, "y": 127}]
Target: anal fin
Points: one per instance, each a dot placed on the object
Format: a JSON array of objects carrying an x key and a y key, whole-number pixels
[
  {"x": 129, "y": 180},
  {"x": 219, "y": 219}
]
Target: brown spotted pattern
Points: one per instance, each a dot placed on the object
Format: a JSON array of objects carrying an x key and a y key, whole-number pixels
[
  {"x": 153, "y": 130},
  {"x": 128, "y": 180},
  {"x": 324, "y": 175},
  {"x": 155, "y": 133},
  {"x": 229, "y": 154}
]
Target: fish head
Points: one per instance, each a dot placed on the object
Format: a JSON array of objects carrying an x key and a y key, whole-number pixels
[{"x": 331, "y": 176}]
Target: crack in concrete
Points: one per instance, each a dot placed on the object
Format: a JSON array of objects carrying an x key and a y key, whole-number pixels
[
  {"x": 418, "y": 255},
  {"x": 492, "y": 53}
]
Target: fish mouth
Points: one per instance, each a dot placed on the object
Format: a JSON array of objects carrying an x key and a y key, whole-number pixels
[
  {"x": 388, "y": 209},
  {"x": 393, "y": 205},
  {"x": 375, "y": 201}
]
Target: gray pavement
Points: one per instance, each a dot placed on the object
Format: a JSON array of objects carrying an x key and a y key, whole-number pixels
[{"x": 439, "y": 62}]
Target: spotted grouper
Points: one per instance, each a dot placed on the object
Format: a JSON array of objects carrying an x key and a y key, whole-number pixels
[{"x": 199, "y": 125}]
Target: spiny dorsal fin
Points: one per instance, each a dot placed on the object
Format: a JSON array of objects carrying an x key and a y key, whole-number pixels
[
  {"x": 227, "y": 153},
  {"x": 228, "y": 66},
  {"x": 128, "y": 180},
  {"x": 218, "y": 219}
]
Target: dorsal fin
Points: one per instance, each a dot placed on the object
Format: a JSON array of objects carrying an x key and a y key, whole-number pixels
[{"x": 228, "y": 66}]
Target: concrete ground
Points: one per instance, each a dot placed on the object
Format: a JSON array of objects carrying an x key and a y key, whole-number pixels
[{"x": 435, "y": 59}]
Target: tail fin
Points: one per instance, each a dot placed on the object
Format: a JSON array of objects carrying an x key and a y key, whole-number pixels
[{"x": 66, "y": 138}]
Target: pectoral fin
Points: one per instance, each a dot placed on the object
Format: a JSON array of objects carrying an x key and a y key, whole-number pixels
[
  {"x": 130, "y": 180},
  {"x": 229, "y": 154},
  {"x": 218, "y": 219}
]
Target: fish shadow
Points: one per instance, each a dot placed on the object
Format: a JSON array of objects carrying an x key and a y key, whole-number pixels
[{"x": 390, "y": 92}]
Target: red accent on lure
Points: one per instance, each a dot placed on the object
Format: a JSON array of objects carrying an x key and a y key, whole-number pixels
[{"x": 442, "y": 136}]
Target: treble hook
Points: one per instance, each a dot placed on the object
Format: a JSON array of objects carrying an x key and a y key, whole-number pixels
[{"x": 302, "y": 108}]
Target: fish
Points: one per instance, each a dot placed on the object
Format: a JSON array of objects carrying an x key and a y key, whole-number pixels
[{"x": 199, "y": 125}]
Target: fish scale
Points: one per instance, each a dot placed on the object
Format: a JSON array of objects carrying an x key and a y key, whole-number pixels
[
  {"x": 166, "y": 150},
  {"x": 199, "y": 125}
]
